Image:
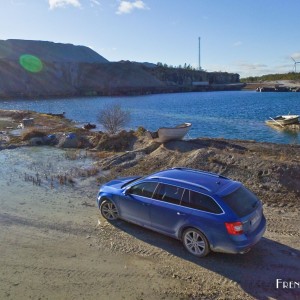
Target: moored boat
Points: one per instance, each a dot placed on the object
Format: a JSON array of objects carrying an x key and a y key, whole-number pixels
[
  {"x": 165, "y": 134},
  {"x": 62, "y": 115},
  {"x": 283, "y": 120},
  {"x": 89, "y": 126}
]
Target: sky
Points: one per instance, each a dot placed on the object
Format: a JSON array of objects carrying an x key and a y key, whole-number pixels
[{"x": 248, "y": 37}]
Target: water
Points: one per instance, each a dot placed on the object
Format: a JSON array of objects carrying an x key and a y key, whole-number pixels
[{"x": 232, "y": 115}]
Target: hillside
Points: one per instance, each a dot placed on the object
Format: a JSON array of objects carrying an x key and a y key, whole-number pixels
[
  {"x": 272, "y": 77},
  {"x": 49, "y": 51},
  {"x": 36, "y": 69}
]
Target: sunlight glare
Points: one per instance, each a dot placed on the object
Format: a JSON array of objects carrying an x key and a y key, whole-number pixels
[{"x": 31, "y": 63}]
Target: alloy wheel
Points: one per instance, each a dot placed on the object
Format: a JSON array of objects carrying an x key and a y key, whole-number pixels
[
  {"x": 108, "y": 210},
  {"x": 195, "y": 242}
]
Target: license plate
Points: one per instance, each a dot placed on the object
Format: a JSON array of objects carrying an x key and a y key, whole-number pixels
[{"x": 255, "y": 219}]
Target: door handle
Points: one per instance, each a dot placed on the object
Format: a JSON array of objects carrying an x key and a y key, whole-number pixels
[
  {"x": 180, "y": 214},
  {"x": 146, "y": 204}
]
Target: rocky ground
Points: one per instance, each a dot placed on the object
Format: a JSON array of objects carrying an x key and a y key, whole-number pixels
[
  {"x": 55, "y": 244},
  {"x": 290, "y": 84}
]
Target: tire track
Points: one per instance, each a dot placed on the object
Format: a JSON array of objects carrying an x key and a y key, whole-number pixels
[
  {"x": 73, "y": 272},
  {"x": 127, "y": 238},
  {"x": 9, "y": 220}
]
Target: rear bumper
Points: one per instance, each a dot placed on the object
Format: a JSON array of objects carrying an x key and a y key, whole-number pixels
[{"x": 242, "y": 243}]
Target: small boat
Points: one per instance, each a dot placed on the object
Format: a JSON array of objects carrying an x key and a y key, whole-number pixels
[
  {"x": 89, "y": 126},
  {"x": 62, "y": 115},
  {"x": 283, "y": 120},
  {"x": 165, "y": 134}
]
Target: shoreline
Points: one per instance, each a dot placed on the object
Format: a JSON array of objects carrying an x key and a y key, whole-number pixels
[
  {"x": 128, "y": 91},
  {"x": 282, "y": 85},
  {"x": 131, "y": 153},
  {"x": 273, "y": 86}
]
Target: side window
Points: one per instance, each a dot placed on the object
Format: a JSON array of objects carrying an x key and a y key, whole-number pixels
[
  {"x": 168, "y": 193},
  {"x": 185, "y": 201},
  {"x": 200, "y": 201},
  {"x": 203, "y": 202},
  {"x": 144, "y": 189}
]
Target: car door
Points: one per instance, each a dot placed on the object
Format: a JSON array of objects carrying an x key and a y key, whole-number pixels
[
  {"x": 135, "y": 206},
  {"x": 166, "y": 213}
]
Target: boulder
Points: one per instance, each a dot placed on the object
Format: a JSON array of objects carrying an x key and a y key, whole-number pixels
[{"x": 70, "y": 140}]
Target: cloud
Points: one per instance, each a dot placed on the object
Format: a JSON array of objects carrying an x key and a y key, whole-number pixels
[
  {"x": 61, "y": 3},
  {"x": 296, "y": 55},
  {"x": 17, "y": 2},
  {"x": 237, "y": 44},
  {"x": 253, "y": 66},
  {"x": 126, "y": 7},
  {"x": 94, "y": 2}
]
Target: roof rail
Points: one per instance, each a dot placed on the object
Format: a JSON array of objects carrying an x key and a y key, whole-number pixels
[
  {"x": 200, "y": 171},
  {"x": 184, "y": 181}
]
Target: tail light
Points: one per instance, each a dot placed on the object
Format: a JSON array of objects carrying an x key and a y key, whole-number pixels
[{"x": 234, "y": 228}]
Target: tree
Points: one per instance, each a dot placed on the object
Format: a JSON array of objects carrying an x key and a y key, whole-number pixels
[{"x": 113, "y": 118}]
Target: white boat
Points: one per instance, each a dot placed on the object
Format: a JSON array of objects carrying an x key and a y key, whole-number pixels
[
  {"x": 283, "y": 120},
  {"x": 165, "y": 134}
]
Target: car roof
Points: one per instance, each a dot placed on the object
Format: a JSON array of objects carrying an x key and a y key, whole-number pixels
[{"x": 210, "y": 182}]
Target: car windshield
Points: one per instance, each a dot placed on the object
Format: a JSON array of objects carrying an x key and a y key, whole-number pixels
[
  {"x": 131, "y": 181},
  {"x": 242, "y": 201}
]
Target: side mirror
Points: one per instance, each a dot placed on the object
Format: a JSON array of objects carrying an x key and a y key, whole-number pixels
[{"x": 127, "y": 192}]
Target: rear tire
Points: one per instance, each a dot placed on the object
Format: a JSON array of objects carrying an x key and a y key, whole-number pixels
[
  {"x": 109, "y": 210},
  {"x": 195, "y": 242}
]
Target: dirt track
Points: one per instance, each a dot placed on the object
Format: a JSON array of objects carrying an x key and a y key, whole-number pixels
[
  {"x": 55, "y": 245},
  {"x": 43, "y": 257}
]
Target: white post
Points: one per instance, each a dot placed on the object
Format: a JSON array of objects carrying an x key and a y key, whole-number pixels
[{"x": 199, "y": 56}]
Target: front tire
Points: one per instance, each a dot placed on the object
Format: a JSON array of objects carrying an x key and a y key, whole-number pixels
[
  {"x": 109, "y": 210},
  {"x": 195, "y": 242}
]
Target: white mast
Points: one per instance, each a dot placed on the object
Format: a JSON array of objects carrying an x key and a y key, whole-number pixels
[{"x": 199, "y": 56}]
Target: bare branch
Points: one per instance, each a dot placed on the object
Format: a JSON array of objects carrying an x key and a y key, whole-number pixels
[{"x": 113, "y": 118}]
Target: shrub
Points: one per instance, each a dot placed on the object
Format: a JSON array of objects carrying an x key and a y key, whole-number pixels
[
  {"x": 140, "y": 131},
  {"x": 113, "y": 118}
]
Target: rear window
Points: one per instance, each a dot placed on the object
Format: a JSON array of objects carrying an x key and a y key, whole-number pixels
[{"x": 242, "y": 201}]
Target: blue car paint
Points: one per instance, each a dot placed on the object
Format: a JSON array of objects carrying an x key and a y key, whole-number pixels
[
  {"x": 136, "y": 209},
  {"x": 171, "y": 219},
  {"x": 167, "y": 218}
]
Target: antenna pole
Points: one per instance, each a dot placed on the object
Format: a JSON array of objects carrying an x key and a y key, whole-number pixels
[{"x": 199, "y": 56}]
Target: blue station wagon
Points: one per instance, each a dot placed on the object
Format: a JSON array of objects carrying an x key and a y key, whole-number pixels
[{"x": 206, "y": 211}]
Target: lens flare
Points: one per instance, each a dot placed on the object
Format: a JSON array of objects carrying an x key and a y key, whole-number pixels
[{"x": 31, "y": 63}]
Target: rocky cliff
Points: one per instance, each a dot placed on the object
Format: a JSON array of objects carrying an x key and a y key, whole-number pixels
[{"x": 47, "y": 69}]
